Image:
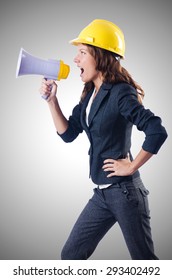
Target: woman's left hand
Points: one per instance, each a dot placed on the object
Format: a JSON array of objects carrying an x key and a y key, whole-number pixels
[{"x": 120, "y": 167}]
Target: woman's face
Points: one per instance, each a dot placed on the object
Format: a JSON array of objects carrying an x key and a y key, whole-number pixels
[{"x": 86, "y": 62}]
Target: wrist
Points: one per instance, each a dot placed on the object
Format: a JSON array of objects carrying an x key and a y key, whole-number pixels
[
  {"x": 140, "y": 160},
  {"x": 52, "y": 101},
  {"x": 133, "y": 168}
]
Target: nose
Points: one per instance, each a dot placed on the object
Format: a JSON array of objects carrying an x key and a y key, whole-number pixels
[{"x": 76, "y": 59}]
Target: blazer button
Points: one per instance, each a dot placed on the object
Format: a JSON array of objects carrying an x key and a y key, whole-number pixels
[{"x": 125, "y": 192}]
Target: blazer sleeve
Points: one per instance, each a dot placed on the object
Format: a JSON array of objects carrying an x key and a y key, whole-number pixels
[
  {"x": 144, "y": 119},
  {"x": 74, "y": 125}
]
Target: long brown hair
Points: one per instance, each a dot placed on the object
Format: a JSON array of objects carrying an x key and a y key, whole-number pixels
[{"x": 108, "y": 64}]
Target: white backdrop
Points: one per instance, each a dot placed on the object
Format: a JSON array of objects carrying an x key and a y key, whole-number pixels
[{"x": 44, "y": 182}]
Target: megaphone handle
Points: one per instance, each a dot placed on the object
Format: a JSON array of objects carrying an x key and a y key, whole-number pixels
[{"x": 45, "y": 97}]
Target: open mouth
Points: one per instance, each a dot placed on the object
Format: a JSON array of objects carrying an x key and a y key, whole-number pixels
[{"x": 82, "y": 70}]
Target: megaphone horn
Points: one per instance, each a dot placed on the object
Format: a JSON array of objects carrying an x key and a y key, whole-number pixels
[{"x": 50, "y": 69}]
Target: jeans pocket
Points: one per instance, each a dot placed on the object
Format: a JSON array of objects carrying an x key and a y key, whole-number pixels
[
  {"x": 144, "y": 206},
  {"x": 130, "y": 194}
]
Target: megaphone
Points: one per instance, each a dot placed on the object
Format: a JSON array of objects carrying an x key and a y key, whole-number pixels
[{"x": 51, "y": 69}]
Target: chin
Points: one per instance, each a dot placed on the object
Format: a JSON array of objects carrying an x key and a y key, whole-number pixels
[{"x": 85, "y": 80}]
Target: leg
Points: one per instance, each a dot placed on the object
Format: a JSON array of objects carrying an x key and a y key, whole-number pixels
[
  {"x": 92, "y": 224},
  {"x": 133, "y": 217}
]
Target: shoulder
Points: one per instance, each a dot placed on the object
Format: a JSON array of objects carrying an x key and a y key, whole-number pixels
[
  {"x": 123, "y": 87},
  {"x": 122, "y": 90},
  {"x": 118, "y": 87}
]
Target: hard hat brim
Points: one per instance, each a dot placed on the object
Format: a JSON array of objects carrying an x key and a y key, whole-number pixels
[{"x": 77, "y": 41}]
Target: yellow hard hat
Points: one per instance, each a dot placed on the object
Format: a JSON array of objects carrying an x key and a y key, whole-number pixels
[{"x": 103, "y": 34}]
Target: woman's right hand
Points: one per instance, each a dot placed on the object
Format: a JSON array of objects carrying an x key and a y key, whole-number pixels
[{"x": 48, "y": 89}]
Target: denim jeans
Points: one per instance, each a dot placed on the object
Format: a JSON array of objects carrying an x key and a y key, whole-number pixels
[{"x": 125, "y": 203}]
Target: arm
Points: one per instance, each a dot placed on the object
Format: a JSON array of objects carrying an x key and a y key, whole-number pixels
[
  {"x": 48, "y": 90},
  {"x": 60, "y": 122},
  {"x": 145, "y": 121},
  {"x": 68, "y": 130},
  {"x": 124, "y": 167}
]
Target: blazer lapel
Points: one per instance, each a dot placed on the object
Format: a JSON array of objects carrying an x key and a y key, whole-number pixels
[
  {"x": 104, "y": 89},
  {"x": 83, "y": 112}
]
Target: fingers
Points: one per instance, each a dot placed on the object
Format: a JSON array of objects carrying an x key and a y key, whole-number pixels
[
  {"x": 109, "y": 160},
  {"x": 120, "y": 167},
  {"x": 111, "y": 174},
  {"x": 48, "y": 88},
  {"x": 109, "y": 165}
]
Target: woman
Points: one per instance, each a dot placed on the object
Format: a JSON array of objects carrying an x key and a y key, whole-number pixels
[{"x": 110, "y": 104}]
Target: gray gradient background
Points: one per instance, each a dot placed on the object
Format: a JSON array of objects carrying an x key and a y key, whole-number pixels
[{"x": 44, "y": 182}]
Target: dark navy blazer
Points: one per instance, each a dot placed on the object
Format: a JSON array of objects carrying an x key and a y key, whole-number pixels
[{"x": 113, "y": 112}]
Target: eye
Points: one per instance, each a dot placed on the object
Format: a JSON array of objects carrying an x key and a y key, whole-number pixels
[{"x": 83, "y": 52}]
